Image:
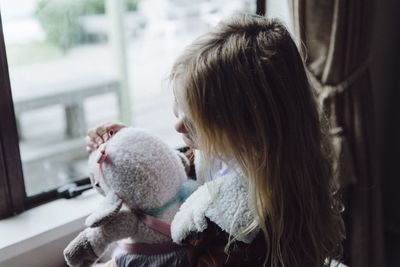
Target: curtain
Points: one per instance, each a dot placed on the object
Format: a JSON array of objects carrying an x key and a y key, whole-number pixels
[{"x": 335, "y": 36}]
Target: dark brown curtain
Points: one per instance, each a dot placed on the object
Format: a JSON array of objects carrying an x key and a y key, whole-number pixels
[{"x": 335, "y": 36}]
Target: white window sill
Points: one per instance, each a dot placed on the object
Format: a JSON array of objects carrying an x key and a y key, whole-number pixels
[{"x": 44, "y": 224}]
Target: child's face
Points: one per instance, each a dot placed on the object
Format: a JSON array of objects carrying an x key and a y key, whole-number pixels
[{"x": 180, "y": 126}]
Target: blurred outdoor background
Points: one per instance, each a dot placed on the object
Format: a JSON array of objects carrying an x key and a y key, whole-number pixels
[{"x": 74, "y": 64}]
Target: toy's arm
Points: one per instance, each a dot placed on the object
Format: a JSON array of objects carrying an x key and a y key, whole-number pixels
[{"x": 91, "y": 243}]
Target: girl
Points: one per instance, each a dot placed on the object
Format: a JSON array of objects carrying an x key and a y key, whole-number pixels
[{"x": 243, "y": 99}]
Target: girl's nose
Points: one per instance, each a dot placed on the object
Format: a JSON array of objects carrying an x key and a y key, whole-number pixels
[{"x": 180, "y": 126}]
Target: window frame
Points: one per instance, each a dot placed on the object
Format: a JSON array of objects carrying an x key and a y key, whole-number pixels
[
  {"x": 12, "y": 186},
  {"x": 261, "y": 7},
  {"x": 13, "y": 197}
]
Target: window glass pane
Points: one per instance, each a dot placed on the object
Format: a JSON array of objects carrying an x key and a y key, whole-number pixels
[
  {"x": 74, "y": 64},
  {"x": 280, "y": 9}
]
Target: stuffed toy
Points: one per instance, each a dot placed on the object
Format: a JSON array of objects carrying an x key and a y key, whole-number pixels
[{"x": 144, "y": 183}]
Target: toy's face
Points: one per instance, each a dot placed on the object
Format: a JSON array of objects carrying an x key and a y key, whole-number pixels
[
  {"x": 96, "y": 172},
  {"x": 94, "y": 179}
]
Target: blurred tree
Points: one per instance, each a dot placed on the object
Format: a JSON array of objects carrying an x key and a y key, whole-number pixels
[{"x": 60, "y": 18}]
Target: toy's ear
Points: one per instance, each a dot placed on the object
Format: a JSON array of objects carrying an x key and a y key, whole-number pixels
[{"x": 105, "y": 212}]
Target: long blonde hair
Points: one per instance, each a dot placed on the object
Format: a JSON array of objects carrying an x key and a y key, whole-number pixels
[{"x": 248, "y": 98}]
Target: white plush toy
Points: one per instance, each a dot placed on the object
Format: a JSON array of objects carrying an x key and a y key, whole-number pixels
[{"x": 144, "y": 182}]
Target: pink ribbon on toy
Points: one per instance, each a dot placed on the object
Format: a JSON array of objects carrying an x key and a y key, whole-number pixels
[
  {"x": 101, "y": 158},
  {"x": 154, "y": 223},
  {"x": 152, "y": 249}
]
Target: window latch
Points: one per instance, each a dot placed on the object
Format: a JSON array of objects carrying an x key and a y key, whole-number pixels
[{"x": 72, "y": 190}]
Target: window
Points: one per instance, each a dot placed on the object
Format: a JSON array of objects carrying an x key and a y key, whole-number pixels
[{"x": 73, "y": 64}]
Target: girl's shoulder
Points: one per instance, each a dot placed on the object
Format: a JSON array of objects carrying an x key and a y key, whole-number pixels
[{"x": 222, "y": 201}]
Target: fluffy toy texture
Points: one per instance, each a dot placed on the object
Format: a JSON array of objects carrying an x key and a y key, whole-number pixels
[{"x": 140, "y": 172}]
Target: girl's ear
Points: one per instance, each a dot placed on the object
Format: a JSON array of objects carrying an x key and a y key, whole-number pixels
[{"x": 105, "y": 212}]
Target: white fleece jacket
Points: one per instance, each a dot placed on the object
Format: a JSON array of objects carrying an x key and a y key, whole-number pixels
[{"x": 223, "y": 200}]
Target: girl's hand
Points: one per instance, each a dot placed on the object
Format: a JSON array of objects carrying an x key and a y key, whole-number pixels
[{"x": 100, "y": 134}]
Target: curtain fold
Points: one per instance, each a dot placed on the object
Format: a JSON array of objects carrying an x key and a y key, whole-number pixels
[{"x": 336, "y": 38}]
